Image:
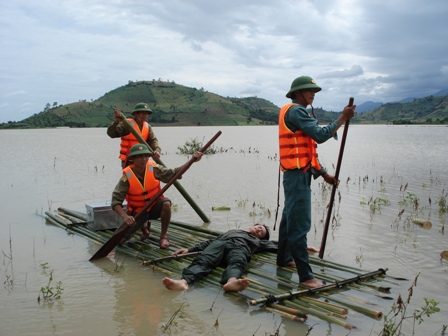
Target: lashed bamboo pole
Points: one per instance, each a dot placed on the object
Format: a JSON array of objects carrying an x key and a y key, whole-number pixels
[
  {"x": 74, "y": 213},
  {"x": 289, "y": 310},
  {"x": 178, "y": 186},
  {"x": 326, "y": 307},
  {"x": 285, "y": 314},
  {"x": 376, "y": 314},
  {"x": 326, "y": 277},
  {"x": 320, "y": 289},
  {"x": 322, "y": 315},
  {"x": 146, "y": 251},
  {"x": 333, "y": 265},
  {"x": 72, "y": 219}
]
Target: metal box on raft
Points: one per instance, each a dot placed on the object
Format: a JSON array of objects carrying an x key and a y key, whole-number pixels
[{"x": 100, "y": 216}]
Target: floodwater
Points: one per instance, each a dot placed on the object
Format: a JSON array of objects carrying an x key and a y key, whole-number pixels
[{"x": 392, "y": 166}]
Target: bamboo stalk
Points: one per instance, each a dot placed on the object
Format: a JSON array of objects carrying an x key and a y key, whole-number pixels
[
  {"x": 74, "y": 213},
  {"x": 285, "y": 314},
  {"x": 63, "y": 219},
  {"x": 322, "y": 315},
  {"x": 317, "y": 290},
  {"x": 326, "y": 305},
  {"x": 309, "y": 302},
  {"x": 74, "y": 220},
  {"x": 376, "y": 314},
  {"x": 357, "y": 286},
  {"x": 261, "y": 280},
  {"x": 56, "y": 218},
  {"x": 289, "y": 310}
]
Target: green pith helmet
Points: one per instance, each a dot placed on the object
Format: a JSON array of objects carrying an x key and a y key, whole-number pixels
[
  {"x": 302, "y": 83},
  {"x": 142, "y": 107},
  {"x": 139, "y": 149}
]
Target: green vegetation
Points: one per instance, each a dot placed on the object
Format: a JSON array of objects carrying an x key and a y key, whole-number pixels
[
  {"x": 178, "y": 105},
  {"x": 441, "y": 202},
  {"x": 172, "y": 320},
  {"x": 431, "y": 110},
  {"x": 393, "y": 321},
  {"x": 50, "y": 293},
  {"x": 410, "y": 199},
  {"x": 192, "y": 146},
  {"x": 172, "y": 105}
]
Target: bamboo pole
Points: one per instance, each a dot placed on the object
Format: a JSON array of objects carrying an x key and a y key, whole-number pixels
[
  {"x": 74, "y": 213},
  {"x": 333, "y": 190},
  {"x": 320, "y": 314},
  {"x": 376, "y": 314},
  {"x": 285, "y": 314},
  {"x": 320, "y": 289},
  {"x": 323, "y": 276},
  {"x": 120, "y": 233},
  {"x": 261, "y": 281},
  {"x": 289, "y": 310},
  {"x": 178, "y": 186},
  {"x": 328, "y": 308},
  {"x": 72, "y": 219}
]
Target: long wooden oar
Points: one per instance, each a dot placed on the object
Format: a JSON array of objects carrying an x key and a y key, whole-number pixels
[
  {"x": 333, "y": 191},
  {"x": 178, "y": 186},
  {"x": 338, "y": 284},
  {"x": 119, "y": 234}
]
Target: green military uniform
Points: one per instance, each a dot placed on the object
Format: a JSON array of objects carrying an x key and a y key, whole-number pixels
[
  {"x": 161, "y": 173},
  {"x": 117, "y": 130},
  {"x": 232, "y": 250}
]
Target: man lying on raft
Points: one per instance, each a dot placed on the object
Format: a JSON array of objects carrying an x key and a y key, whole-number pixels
[{"x": 231, "y": 250}]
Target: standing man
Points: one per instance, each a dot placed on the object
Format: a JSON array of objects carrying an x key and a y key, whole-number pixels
[
  {"x": 117, "y": 129},
  {"x": 299, "y": 134},
  {"x": 139, "y": 184}
]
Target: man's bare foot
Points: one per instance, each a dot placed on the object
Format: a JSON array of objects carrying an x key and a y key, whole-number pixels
[
  {"x": 312, "y": 283},
  {"x": 312, "y": 249},
  {"x": 177, "y": 285},
  {"x": 235, "y": 285}
]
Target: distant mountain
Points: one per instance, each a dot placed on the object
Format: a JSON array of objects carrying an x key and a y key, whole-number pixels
[
  {"x": 367, "y": 106},
  {"x": 427, "y": 110},
  {"x": 407, "y": 100},
  {"x": 410, "y": 99},
  {"x": 177, "y": 105},
  {"x": 370, "y": 105},
  {"x": 441, "y": 92}
]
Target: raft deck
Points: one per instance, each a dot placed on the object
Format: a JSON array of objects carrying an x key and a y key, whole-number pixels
[{"x": 349, "y": 291}]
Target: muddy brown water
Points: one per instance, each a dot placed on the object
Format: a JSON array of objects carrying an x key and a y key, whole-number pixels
[{"x": 45, "y": 169}]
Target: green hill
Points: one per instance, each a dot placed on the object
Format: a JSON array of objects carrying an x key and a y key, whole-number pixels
[
  {"x": 173, "y": 105},
  {"x": 427, "y": 110},
  {"x": 178, "y": 105}
]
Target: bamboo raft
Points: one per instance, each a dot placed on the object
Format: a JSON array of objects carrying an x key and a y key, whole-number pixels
[{"x": 276, "y": 289}]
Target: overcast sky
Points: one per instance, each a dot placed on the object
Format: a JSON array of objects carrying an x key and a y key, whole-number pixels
[{"x": 66, "y": 51}]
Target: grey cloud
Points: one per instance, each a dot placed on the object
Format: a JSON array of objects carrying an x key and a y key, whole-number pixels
[
  {"x": 69, "y": 51},
  {"x": 355, "y": 70}
]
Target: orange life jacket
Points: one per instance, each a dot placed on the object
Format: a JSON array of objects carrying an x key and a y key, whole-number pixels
[
  {"x": 297, "y": 150},
  {"x": 129, "y": 140},
  {"x": 138, "y": 195}
]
